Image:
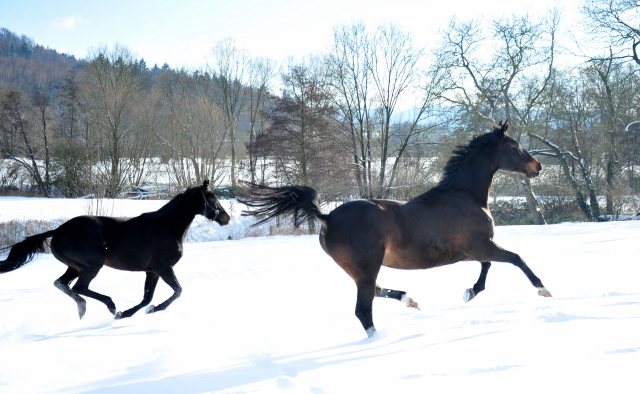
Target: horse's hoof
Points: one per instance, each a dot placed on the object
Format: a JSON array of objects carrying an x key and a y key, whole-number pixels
[
  {"x": 469, "y": 295},
  {"x": 150, "y": 309},
  {"x": 118, "y": 316},
  {"x": 410, "y": 302},
  {"x": 371, "y": 332},
  {"x": 544, "y": 292},
  {"x": 81, "y": 311}
]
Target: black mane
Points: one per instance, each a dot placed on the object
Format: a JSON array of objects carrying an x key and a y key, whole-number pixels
[
  {"x": 171, "y": 205},
  {"x": 460, "y": 154}
]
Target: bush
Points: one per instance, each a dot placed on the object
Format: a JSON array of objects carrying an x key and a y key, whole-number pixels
[
  {"x": 561, "y": 209},
  {"x": 225, "y": 192},
  {"x": 510, "y": 212},
  {"x": 555, "y": 210}
]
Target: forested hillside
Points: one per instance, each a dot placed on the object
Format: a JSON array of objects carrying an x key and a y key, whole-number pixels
[{"x": 375, "y": 115}]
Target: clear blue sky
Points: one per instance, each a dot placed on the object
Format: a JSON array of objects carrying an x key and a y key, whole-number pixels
[{"x": 181, "y": 33}]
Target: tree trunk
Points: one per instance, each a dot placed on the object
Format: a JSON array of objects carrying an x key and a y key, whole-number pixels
[
  {"x": 532, "y": 202},
  {"x": 311, "y": 224}
]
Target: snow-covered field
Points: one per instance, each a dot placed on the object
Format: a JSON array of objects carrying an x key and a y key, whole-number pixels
[{"x": 276, "y": 315}]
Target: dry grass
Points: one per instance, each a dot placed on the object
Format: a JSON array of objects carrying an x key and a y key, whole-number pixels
[
  {"x": 274, "y": 230},
  {"x": 15, "y": 231}
]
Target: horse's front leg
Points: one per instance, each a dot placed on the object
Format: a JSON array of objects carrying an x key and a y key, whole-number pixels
[
  {"x": 169, "y": 277},
  {"x": 494, "y": 252},
  {"x": 149, "y": 288}
]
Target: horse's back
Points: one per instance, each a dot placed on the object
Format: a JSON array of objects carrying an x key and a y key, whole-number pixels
[
  {"x": 371, "y": 216},
  {"x": 436, "y": 229}
]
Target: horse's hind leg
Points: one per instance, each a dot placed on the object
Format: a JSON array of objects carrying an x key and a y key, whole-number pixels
[
  {"x": 82, "y": 287},
  {"x": 170, "y": 278},
  {"x": 470, "y": 294},
  {"x": 364, "y": 305},
  {"x": 63, "y": 282},
  {"x": 149, "y": 287},
  {"x": 396, "y": 295}
]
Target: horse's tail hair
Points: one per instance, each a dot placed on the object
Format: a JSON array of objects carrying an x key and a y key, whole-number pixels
[
  {"x": 269, "y": 202},
  {"x": 23, "y": 252}
]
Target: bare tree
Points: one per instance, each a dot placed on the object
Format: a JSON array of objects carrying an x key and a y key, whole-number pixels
[
  {"x": 143, "y": 143},
  {"x": 612, "y": 79},
  {"x": 41, "y": 103},
  {"x": 260, "y": 75},
  {"x": 350, "y": 79},
  {"x": 617, "y": 22},
  {"x": 615, "y": 25},
  {"x": 68, "y": 93},
  {"x": 567, "y": 110},
  {"x": 372, "y": 75},
  {"x": 506, "y": 84},
  {"x": 193, "y": 130},
  {"x": 300, "y": 136},
  {"x": 19, "y": 142},
  {"x": 394, "y": 70},
  {"x": 227, "y": 65},
  {"x": 115, "y": 82}
]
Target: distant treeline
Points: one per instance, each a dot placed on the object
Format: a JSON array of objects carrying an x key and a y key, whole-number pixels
[{"x": 374, "y": 116}]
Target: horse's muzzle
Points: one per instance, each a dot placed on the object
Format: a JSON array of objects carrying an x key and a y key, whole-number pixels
[
  {"x": 533, "y": 169},
  {"x": 223, "y": 219}
]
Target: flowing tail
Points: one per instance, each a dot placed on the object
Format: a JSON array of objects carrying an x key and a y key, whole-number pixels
[
  {"x": 23, "y": 252},
  {"x": 269, "y": 202}
]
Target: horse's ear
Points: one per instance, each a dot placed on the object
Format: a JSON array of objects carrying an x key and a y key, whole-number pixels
[
  {"x": 205, "y": 184},
  {"x": 501, "y": 129}
]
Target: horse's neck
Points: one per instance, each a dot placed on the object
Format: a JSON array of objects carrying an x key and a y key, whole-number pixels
[
  {"x": 476, "y": 179},
  {"x": 180, "y": 218}
]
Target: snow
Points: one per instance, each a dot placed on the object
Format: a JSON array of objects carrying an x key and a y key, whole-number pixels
[{"x": 276, "y": 315}]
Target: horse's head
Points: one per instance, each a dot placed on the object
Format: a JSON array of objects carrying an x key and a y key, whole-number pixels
[
  {"x": 211, "y": 208},
  {"x": 512, "y": 156}
]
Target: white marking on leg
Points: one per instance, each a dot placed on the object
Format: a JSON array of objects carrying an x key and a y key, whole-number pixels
[
  {"x": 469, "y": 295},
  {"x": 371, "y": 331},
  {"x": 543, "y": 292},
  {"x": 409, "y": 302}
]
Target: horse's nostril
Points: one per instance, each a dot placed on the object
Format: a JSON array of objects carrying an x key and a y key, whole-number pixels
[{"x": 539, "y": 167}]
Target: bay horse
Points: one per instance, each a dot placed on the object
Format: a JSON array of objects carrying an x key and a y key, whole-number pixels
[
  {"x": 449, "y": 223},
  {"x": 151, "y": 242}
]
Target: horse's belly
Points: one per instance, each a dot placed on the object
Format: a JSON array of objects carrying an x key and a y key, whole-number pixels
[
  {"x": 115, "y": 264},
  {"x": 423, "y": 259},
  {"x": 394, "y": 260},
  {"x": 128, "y": 263}
]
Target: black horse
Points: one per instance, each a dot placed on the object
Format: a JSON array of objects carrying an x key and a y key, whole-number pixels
[
  {"x": 151, "y": 242},
  {"x": 449, "y": 223}
]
